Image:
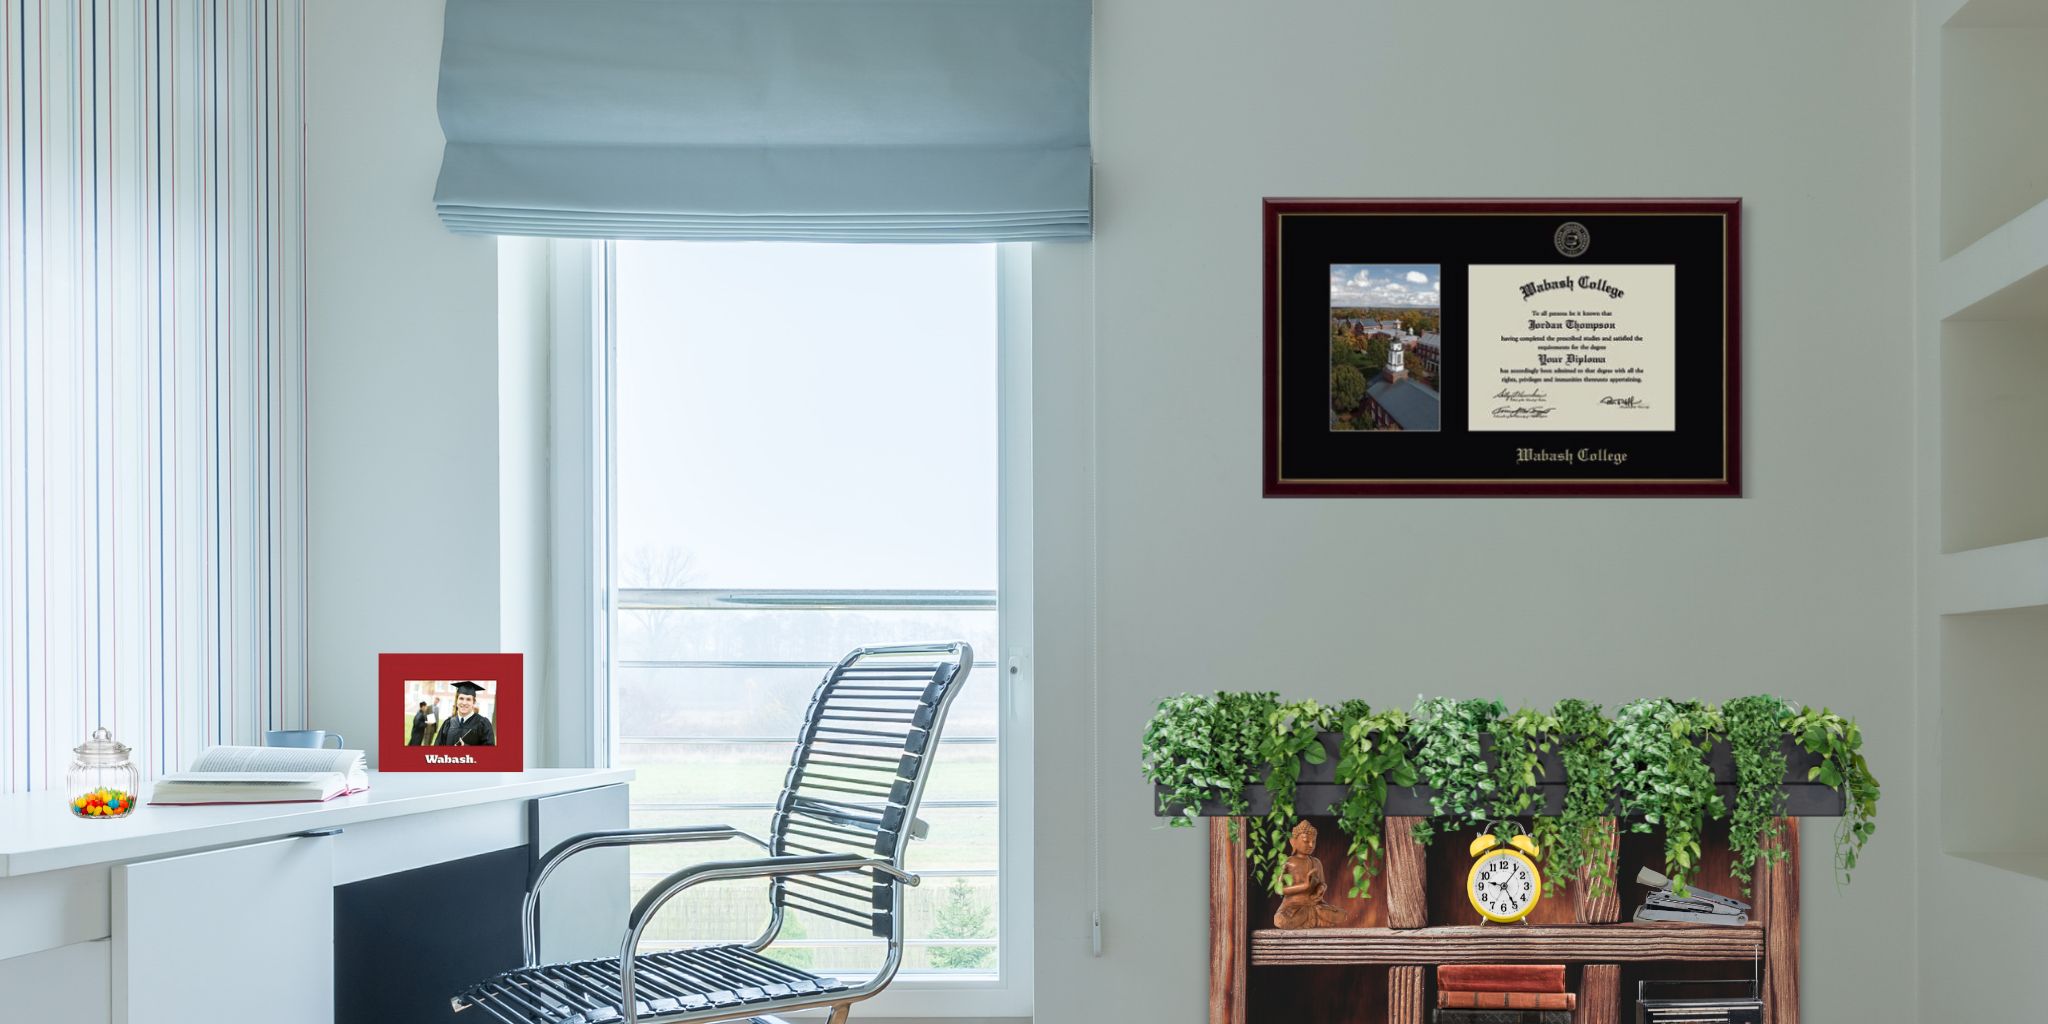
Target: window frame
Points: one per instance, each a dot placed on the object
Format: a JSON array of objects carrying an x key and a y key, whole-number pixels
[{"x": 583, "y": 728}]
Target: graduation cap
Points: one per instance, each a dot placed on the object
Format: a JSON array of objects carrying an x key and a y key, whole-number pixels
[{"x": 467, "y": 687}]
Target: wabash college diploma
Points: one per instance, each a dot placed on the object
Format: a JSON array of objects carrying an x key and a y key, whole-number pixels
[{"x": 1561, "y": 347}]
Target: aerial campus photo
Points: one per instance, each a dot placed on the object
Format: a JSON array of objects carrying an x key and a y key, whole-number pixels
[{"x": 1385, "y": 346}]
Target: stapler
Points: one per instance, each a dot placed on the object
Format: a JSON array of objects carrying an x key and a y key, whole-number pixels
[{"x": 1697, "y": 906}]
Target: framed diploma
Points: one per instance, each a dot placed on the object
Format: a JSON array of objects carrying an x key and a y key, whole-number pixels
[{"x": 1503, "y": 347}]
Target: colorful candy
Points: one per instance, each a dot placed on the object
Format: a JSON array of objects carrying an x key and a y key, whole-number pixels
[{"x": 103, "y": 802}]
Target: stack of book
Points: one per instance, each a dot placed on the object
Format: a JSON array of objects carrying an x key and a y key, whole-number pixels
[{"x": 1503, "y": 994}]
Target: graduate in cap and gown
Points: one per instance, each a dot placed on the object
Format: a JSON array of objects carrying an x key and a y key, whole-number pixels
[{"x": 466, "y": 728}]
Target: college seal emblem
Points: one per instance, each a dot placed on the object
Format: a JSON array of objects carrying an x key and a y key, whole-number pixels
[{"x": 1573, "y": 239}]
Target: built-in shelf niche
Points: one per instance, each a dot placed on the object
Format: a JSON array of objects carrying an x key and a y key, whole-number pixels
[
  {"x": 1994, "y": 155},
  {"x": 1995, "y": 13},
  {"x": 2002, "y": 276},
  {"x": 1994, "y": 698},
  {"x": 1994, "y": 413}
]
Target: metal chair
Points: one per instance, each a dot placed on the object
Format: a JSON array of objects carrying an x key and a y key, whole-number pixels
[{"x": 835, "y": 850}]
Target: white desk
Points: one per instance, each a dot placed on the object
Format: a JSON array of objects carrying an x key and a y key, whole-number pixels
[{"x": 98, "y": 916}]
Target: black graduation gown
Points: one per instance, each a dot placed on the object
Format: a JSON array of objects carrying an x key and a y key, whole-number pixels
[
  {"x": 475, "y": 732},
  {"x": 419, "y": 730}
]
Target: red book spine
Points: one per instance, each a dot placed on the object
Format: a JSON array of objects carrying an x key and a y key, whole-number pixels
[
  {"x": 1458, "y": 1000},
  {"x": 1500, "y": 978}
]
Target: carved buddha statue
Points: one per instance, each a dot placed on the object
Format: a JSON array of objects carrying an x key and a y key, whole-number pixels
[{"x": 1301, "y": 899}]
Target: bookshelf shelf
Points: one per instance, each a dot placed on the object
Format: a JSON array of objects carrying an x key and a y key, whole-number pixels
[
  {"x": 1991, "y": 13},
  {"x": 1995, "y": 578},
  {"x": 2035, "y": 864},
  {"x": 1994, "y": 160},
  {"x": 1981, "y": 208},
  {"x": 1993, "y": 464},
  {"x": 1991, "y": 691},
  {"x": 1607, "y": 943},
  {"x": 2002, "y": 276},
  {"x": 1376, "y": 965}
]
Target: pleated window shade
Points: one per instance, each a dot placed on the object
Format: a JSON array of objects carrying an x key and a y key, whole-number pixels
[{"x": 798, "y": 120}]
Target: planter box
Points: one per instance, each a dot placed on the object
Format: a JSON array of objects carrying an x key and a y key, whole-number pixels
[{"x": 1318, "y": 789}]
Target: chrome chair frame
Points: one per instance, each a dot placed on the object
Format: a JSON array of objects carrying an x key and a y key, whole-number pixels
[{"x": 778, "y": 865}]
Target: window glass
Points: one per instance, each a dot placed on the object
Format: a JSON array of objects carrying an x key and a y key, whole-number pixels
[{"x": 805, "y": 464}]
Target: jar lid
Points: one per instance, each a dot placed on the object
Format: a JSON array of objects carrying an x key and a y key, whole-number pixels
[{"x": 102, "y": 747}]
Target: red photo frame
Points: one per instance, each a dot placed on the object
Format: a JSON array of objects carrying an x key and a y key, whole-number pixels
[{"x": 419, "y": 724}]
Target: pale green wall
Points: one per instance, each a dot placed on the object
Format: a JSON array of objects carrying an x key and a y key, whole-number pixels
[{"x": 1804, "y": 587}]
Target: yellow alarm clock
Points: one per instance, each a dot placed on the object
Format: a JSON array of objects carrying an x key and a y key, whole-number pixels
[{"x": 1504, "y": 884}]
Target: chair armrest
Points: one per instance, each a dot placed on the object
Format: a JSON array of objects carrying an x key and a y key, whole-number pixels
[
  {"x": 529, "y": 921},
  {"x": 723, "y": 870}
]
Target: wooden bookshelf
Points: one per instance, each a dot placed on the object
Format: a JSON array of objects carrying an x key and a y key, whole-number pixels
[{"x": 1376, "y": 965}]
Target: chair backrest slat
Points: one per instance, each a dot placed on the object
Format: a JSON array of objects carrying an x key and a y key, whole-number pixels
[{"x": 858, "y": 773}]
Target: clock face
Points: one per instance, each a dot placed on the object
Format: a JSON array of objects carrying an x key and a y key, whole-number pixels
[{"x": 1504, "y": 886}]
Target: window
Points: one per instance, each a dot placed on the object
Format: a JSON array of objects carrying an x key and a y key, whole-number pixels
[{"x": 806, "y": 460}]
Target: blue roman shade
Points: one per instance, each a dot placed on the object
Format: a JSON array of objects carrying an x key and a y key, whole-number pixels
[{"x": 802, "y": 120}]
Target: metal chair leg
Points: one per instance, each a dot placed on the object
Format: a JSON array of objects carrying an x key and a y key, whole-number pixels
[{"x": 839, "y": 1013}]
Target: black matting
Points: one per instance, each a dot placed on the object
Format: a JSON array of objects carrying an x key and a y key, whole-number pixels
[{"x": 405, "y": 942}]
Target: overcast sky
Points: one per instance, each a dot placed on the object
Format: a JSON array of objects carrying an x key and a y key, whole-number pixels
[
  {"x": 807, "y": 416},
  {"x": 1384, "y": 284}
]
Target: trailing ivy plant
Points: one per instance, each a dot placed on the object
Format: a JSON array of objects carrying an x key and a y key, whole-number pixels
[
  {"x": 1577, "y": 839},
  {"x": 1648, "y": 763},
  {"x": 1450, "y": 758},
  {"x": 1206, "y": 750},
  {"x": 1373, "y": 756},
  {"x": 1755, "y": 727},
  {"x": 1658, "y": 751},
  {"x": 1289, "y": 739},
  {"x": 1839, "y": 743},
  {"x": 1519, "y": 740}
]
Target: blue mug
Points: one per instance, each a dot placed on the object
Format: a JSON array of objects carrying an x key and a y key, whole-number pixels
[{"x": 302, "y": 738}]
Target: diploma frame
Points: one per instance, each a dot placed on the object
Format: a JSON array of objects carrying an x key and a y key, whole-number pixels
[{"x": 1695, "y": 448}]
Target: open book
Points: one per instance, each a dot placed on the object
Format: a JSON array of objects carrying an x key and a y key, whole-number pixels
[{"x": 258, "y": 775}]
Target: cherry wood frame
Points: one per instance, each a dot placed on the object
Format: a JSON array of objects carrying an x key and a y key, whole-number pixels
[{"x": 1729, "y": 484}]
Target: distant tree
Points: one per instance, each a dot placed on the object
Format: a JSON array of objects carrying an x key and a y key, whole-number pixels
[
  {"x": 962, "y": 916},
  {"x": 1347, "y": 388},
  {"x": 1376, "y": 352},
  {"x": 654, "y": 634}
]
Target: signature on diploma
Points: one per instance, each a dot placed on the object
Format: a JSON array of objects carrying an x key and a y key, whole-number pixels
[
  {"x": 1628, "y": 402},
  {"x": 1522, "y": 412},
  {"x": 1504, "y": 395}
]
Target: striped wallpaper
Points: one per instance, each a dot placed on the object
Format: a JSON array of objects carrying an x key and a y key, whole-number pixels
[{"x": 152, "y": 378}]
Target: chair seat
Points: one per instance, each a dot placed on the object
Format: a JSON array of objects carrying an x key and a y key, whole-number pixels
[{"x": 670, "y": 982}]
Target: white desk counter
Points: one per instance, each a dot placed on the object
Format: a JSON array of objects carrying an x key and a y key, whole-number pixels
[
  {"x": 38, "y": 832},
  {"x": 288, "y": 912}
]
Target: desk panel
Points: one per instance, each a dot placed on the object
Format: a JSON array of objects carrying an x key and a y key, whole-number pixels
[
  {"x": 52, "y": 909},
  {"x": 241, "y": 933},
  {"x": 66, "y": 985},
  {"x": 371, "y": 849},
  {"x": 405, "y": 942}
]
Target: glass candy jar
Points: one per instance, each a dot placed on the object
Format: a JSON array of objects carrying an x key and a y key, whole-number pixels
[{"x": 102, "y": 780}]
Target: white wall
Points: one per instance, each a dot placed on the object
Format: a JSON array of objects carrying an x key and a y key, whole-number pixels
[
  {"x": 523, "y": 430},
  {"x": 1803, "y": 587},
  {"x": 403, "y": 413}
]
